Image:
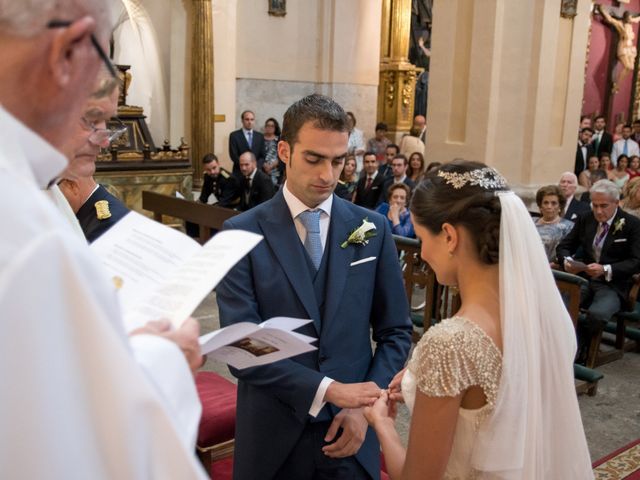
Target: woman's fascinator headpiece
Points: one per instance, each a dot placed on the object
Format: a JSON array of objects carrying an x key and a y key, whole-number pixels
[{"x": 486, "y": 178}]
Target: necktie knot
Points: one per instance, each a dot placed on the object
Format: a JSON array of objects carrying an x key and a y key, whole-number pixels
[{"x": 311, "y": 220}]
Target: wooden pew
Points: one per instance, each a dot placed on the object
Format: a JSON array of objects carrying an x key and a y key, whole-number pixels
[{"x": 205, "y": 216}]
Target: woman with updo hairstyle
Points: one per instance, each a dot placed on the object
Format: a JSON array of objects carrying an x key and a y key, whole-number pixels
[{"x": 490, "y": 389}]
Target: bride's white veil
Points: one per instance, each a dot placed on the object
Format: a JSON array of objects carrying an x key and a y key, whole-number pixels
[{"x": 535, "y": 431}]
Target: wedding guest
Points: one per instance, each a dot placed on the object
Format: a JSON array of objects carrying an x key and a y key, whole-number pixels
[
  {"x": 356, "y": 141},
  {"x": 411, "y": 143},
  {"x": 384, "y": 167},
  {"x": 272, "y": 165},
  {"x": 415, "y": 171},
  {"x": 619, "y": 174},
  {"x": 605, "y": 162},
  {"x": 346, "y": 187},
  {"x": 489, "y": 387},
  {"x": 551, "y": 227},
  {"x": 379, "y": 143},
  {"x": 625, "y": 146},
  {"x": 396, "y": 210},
  {"x": 617, "y": 132},
  {"x": 631, "y": 201},
  {"x": 634, "y": 167},
  {"x": 246, "y": 139},
  {"x": 584, "y": 179}
]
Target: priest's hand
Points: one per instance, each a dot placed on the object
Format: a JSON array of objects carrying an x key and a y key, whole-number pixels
[
  {"x": 352, "y": 395},
  {"x": 186, "y": 338},
  {"x": 354, "y": 429}
]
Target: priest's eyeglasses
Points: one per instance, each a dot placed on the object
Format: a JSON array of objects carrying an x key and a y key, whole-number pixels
[
  {"x": 103, "y": 137},
  {"x": 94, "y": 41}
]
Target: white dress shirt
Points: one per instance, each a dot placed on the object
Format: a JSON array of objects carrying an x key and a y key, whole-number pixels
[
  {"x": 68, "y": 375},
  {"x": 618, "y": 149},
  {"x": 296, "y": 207}
]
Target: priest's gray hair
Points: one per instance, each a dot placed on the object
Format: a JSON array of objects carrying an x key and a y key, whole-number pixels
[
  {"x": 606, "y": 187},
  {"x": 27, "y": 18}
]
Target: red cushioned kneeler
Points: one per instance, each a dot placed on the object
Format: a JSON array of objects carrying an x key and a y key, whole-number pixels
[{"x": 218, "y": 422}]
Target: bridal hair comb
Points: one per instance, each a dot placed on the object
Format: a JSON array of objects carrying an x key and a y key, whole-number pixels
[{"x": 486, "y": 178}]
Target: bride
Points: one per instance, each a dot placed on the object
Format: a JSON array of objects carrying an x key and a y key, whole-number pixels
[{"x": 491, "y": 389}]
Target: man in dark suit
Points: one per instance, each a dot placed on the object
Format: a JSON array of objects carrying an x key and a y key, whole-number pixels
[
  {"x": 219, "y": 182},
  {"x": 95, "y": 208},
  {"x": 369, "y": 186},
  {"x": 246, "y": 139},
  {"x": 398, "y": 175},
  {"x": 256, "y": 186},
  {"x": 301, "y": 418},
  {"x": 602, "y": 141},
  {"x": 568, "y": 184},
  {"x": 584, "y": 150},
  {"x": 609, "y": 241},
  {"x": 389, "y": 154}
]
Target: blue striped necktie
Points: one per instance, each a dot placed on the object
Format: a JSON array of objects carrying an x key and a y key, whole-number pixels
[{"x": 312, "y": 243}]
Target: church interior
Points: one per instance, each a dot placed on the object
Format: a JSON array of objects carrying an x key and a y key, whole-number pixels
[{"x": 534, "y": 89}]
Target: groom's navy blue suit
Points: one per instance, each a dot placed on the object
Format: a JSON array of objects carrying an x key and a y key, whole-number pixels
[{"x": 345, "y": 301}]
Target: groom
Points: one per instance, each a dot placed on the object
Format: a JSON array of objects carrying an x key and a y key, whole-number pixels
[{"x": 301, "y": 418}]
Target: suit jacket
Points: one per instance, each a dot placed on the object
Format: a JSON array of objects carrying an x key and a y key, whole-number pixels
[
  {"x": 621, "y": 248},
  {"x": 260, "y": 191},
  {"x": 605, "y": 144},
  {"x": 238, "y": 145},
  {"x": 91, "y": 225},
  {"x": 272, "y": 280},
  {"x": 581, "y": 162},
  {"x": 369, "y": 198},
  {"x": 575, "y": 208},
  {"x": 388, "y": 182}
]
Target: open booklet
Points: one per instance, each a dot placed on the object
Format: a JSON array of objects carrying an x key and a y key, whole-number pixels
[
  {"x": 160, "y": 273},
  {"x": 247, "y": 344},
  {"x": 576, "y": 264}
]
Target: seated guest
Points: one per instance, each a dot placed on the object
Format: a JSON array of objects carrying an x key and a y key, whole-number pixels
[
  {"x": 255, "y": 186},
  {"x": 411, "y": 143},
  {"x": 619, "y": 174},
  {"x": 369, "y": 187},
  {"x": 379, "y": 143},
  {"x": 356, "y": 140},
  {"x": 272, "y": 165},
  {"x": 634, "y": 167},
  {"x": 609, "y": 241},
  {"x": 346, "y": 187},
  {"x": 568, "y": 185},
  {"x": 396, "y": 210},
  {"x": 551, "y": 226},
  {"x": 416, "y": 167},
  {"x": 605, "y": 162},
  {"x": 584, "y": 179},
  {"x": 218, "y": 182},
  {"x": 399, "y": 175},
  {"x": 631, "y": 193},
  {"x": 96, "y": 209},
  {"x": 390, "y": 153},
  {"x": 596, "y": 175}
]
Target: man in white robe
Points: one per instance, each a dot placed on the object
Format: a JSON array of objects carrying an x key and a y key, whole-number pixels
[{"x": 75, "y": 402}]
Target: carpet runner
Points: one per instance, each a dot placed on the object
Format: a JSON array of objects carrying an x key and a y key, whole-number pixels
[{"x": 623, "y": 464}]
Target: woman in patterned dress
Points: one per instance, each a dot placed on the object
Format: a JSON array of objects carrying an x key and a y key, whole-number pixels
[{"x": 491, "y": 389}]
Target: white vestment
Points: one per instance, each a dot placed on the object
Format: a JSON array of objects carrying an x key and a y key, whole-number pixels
[{"x": 75, "y": 402}]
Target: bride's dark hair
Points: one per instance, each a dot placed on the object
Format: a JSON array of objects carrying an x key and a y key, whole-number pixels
[{"x": 436, "y": 201}]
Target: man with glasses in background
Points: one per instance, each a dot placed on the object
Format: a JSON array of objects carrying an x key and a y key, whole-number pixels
[{"x": 71, "y": 379}]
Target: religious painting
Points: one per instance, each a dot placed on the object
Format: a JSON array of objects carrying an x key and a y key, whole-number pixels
[
  {"x": 568, "y": 8},
  {"x": 278, "y": 8}
]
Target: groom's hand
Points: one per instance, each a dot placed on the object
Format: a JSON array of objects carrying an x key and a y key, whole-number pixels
[
  {"x": 352, "y": 395},
  {"x": 354, "y": 429}
]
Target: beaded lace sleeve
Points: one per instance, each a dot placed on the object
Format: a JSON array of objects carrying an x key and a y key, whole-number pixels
[{"x": 453, "y": 356}]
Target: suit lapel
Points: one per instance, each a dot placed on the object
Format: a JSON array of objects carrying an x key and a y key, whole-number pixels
[
  {"x": 281, "y": 235},
  {"x": 343, "y": 222},
  {"x": 590, "y": 234},
  {"x": 609, "y": 238}
]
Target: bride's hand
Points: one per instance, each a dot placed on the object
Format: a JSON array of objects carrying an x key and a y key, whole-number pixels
[
  {"x": 395, "y": 387},
  {"x": 382, "y": 410}
]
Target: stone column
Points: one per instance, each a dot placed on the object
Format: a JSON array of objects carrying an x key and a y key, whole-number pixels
[
  {"x": 505, "y": 86},
  {"x": 396, "y": 89},
  {"x": 202, "y": 107}
]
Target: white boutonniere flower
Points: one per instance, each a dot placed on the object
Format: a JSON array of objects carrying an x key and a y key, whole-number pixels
[
  {"x": 619, "y": 225},
  {"x": 361, "y": 235}
]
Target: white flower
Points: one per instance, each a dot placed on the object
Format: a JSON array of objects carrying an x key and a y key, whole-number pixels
[
  {"x": 618, "y": 225},
  {"x": 361, "y": 235}
]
